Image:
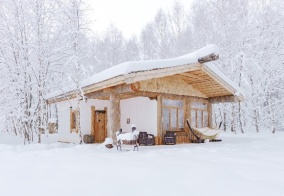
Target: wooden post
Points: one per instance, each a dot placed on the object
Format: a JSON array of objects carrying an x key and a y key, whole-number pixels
[
  {"x": 187, "y": 113},
  {"x": 93, "y": 120},
  {"x": 106, "y": 119},
  {"x": 210, "y": 124},
  {"x": 159, "y": 120},
  {"x": 114, "y": 121}
]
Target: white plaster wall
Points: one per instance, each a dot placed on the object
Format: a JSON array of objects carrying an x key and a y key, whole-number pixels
[
  {"x": 142, "y": 112},
  {"x": 64, "y": 134}
]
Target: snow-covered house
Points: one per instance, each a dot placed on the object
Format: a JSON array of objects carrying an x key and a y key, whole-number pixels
[{"x": 155, "y": 95}]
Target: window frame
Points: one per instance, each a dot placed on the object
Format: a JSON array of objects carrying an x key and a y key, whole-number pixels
[
  {"x": 73, "y": 120},
  {"x": 176, "y": 110},
  {"x": 197, "y": 110}
]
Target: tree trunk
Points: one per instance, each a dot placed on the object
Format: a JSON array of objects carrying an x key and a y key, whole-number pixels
[
  {"x": 78, "y": 126},
  {"x": 225, "y": 121},
  {"x": 255, "y": 117},
  {"x": 240, "y": 119},
  {"x": 273, "y": 128},
  {"x": 233, "y": 119}
]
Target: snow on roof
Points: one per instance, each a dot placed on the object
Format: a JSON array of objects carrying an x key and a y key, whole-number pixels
[
  {"x": 138, "y": 66},
  {"x": 209, "y": 49},
  {"x": 135, "y": 66}
]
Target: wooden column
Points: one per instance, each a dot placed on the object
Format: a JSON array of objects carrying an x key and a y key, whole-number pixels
[
  {"x": 210, "y": 115},
  {"x": 189, "y": 110},
  {"x": 187, "y": 113},
  {"x": 159, "y": 120},
  {"x": 106, "y": 122},
  {"x": 93, "y": 120},
  {"x": 114, "y": 121}
]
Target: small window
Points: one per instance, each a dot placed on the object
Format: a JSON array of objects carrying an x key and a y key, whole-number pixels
[
  {"x": 199, "y": 105},
  {"x": 172, "y": 103},
  {"x": 73, "y": 121}
]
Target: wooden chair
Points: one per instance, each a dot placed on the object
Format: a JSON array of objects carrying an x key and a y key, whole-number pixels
[
  {"x": 170, "y": 137},
  {"x": 146, "y": 139},
  {"x": 129, "y": 138}
]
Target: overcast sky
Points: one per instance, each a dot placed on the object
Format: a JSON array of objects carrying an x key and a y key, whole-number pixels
[{"x": 130, "y": 16}]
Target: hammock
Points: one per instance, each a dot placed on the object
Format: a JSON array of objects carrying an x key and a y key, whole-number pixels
[{"x": 202, "y": 134}]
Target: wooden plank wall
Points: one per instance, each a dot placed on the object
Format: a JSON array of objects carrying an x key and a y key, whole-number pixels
[
  {"x": 172, "y": 85},
  {"x": 182, "y": 138}
]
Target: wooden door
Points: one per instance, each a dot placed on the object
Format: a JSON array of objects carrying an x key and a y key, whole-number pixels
[{"x": 100, "y": 125}]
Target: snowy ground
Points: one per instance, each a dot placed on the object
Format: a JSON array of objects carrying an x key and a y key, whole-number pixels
[{"x": 240, "y": 165}]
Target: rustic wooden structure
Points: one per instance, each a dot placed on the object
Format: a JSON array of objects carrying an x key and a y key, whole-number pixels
[{"x": 182, "y": 91}]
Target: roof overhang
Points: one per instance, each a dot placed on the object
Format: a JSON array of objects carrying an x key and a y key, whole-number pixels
[{"x": 198, "y": 78}]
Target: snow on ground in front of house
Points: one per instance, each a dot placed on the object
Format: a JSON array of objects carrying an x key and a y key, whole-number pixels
[{"x": 249, "y": 164}]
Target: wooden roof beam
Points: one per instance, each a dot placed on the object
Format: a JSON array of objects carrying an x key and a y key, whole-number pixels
[
  {"x": 120, "y": 89},
  {"x": 223, "y": 99},
  {"x": 208, "y": 58}
]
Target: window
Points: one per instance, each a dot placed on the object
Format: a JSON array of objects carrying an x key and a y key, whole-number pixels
[
  {"x": 73, "y": 121},
  {"x": 173, "y": 115},
  {"x": 199, "y": 114}
]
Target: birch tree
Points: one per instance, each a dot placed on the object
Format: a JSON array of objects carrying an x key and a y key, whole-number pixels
[
  {"x": 27, "y": 54},
  {"x": 33, "y": 50},
  {"x": 77, "y": 48}
]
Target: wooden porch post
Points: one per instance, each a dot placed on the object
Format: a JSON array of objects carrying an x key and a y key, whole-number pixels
[
  {"x": 159, "y": 121},
  {"x": 93, "y": 110},
  {"x": 114, "y": 121},
  {"x": 210, "y": 124}
]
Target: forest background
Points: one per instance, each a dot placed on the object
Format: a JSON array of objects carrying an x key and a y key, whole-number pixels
[{"x": 47, "y": 45}]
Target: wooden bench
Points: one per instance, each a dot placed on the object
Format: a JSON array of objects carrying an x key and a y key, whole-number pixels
[
  {"x": 128, "y": 138},
  {"x": 127, "y": 142}
]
